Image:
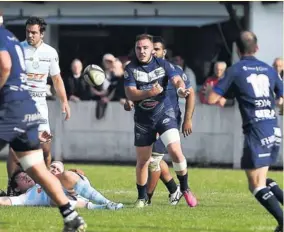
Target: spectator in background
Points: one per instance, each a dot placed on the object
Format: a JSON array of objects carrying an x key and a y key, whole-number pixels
[
  {"x": 178, "y": 60},
  {"x": 210, "y": 82},
  {"x": 76, "y": 88},
  {"x": 278, "y": 66}
]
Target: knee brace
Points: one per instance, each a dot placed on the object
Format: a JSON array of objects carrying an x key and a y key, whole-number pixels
[
  {"x": 29, "y": 161},
  {"x": 170, "y": 136},
  {"x": 180, "y": 166},
  {"x": 155, "y": 160}
]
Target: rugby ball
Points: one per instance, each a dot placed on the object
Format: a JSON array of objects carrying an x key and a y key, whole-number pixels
[{"x": 94, "y": 75}]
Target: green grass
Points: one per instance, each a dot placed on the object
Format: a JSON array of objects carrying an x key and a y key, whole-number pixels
[{"x": 225, "y": 205}]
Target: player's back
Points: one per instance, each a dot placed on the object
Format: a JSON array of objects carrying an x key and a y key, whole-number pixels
[
  {"x": 15, "y": 86},
  {"x": 254, "y": 84}
]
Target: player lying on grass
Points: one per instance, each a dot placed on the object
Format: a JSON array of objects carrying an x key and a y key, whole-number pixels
[{"x": 77, "y": 187}]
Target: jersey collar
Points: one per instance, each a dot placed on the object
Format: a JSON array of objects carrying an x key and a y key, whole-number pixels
[{"x": 248, "y": 58}]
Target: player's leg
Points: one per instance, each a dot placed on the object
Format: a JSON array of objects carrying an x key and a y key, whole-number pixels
[
  {"x": 46, "y": 148},
  {"x": 255, "y": 161},
  {"x": 174, "y": 190},
  {"x": 12, "y": 166},
  {"x": 27, "y": 149},
  {"x": 153, "y": 176},
  {"x": 73, "y": 181},
  {"x": 170, "y": 136},
  {"x": 273, "y": 186},
  {"x": 257, "y": 186},
  {"x": 145, "y": 136}
]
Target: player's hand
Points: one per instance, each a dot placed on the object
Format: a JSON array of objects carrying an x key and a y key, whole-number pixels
[
  {"x": 66, "y": 110},
  {"x": 183, "y": 93},
  {"x": 79, "y": 171},
  {"x": 187, "y": 128},
  {"x": 45, "y": 137},
  {"x": 128, "y": 105},
  {"x": 222, "y": 102},
  {"x": 156, "y": 89}
]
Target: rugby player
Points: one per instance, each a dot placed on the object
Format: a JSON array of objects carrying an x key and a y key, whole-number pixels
[
  {"x": 41, "y": 61},
  {"x": 19, "y": 121},
  {"x": 146, "y": 77},
  {"x": 255, "y": 83}
]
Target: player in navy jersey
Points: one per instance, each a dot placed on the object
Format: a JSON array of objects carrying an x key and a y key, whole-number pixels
[
  {"x": 146, "y": 80},
  {"x": 254, "y": 83},
  {"x": 158, "y": 168},
  {"x": 19, "y": 121}
]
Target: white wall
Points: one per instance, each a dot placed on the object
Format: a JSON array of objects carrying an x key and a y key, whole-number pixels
[
  {"x": 266, "y": 21},
  {"x": 216, "y": 139}
]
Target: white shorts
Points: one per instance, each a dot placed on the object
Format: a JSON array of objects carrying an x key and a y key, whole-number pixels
[{"x": 43, "y": 110}]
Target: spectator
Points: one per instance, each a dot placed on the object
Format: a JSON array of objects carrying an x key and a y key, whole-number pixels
[
  {"x": 76, "y": 88},
  {"x": 178, "y": 60},
  {"x": 278, "y": 65},
  {"x": 210, "y": 82}
]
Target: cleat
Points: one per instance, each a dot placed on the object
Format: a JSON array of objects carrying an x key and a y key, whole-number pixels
[
  {"x": 2, "y": 193},
  {"x": 140, "y": 203},
  {"x": 279, "y": 229},
  {"x": 114, "y": 206},
  {"x": 76, "y": 225},
  {"x": 149, "y": 202},
  {"x": 175, "y": 197},
  {"x": 190, "y": 198}
]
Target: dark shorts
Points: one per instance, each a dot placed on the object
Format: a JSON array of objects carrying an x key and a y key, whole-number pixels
[
  {"x": 19, "y": 121},
  {"x": 146, "y": 134},
  {"x": 261, "y": 145}
]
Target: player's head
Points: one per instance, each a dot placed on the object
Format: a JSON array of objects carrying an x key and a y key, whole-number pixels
[
  {"x": 21, "y": 182},
  {"x": 35, "y": 28},
  {"x": 219, "y": 68},
  {"x": 160, "y": 50},
  {"x": 247, "y": 43},
  {"x": 144, "y": 48},
  {"x": 56, "y": 167}
]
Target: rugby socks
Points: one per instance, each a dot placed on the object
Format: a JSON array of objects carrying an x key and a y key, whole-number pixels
[
  {"x": 273, "y": 187},
  {"x": 171, "y": 186},
  {"x": 183, "y": 182},
  {"x": 84, "y": 189},
  {"x": 68, "y": 213},
  {"x": 142, "y": 191},
  {"x": 270, "y": 202},
  {"x": 149, "y": 195}
]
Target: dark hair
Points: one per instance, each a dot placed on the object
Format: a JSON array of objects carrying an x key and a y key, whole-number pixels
[
  {"x": 13, "y": 182},
  {"x": 247, "y": 42},
  {"x": 144, "y": 36},
  {"x": 159, "y": 39},
  {"x": 37, "y": 21}
]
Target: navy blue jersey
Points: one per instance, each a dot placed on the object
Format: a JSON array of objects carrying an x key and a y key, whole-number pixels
[
  {"x": 172, "y": 91},
  {"x": 254, "y": 84},
  {"x": 143, "y": 76},
  {"x": 15, "y": 87}
]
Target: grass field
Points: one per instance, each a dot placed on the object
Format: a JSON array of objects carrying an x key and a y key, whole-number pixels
[{"x": 225, "y": 205}]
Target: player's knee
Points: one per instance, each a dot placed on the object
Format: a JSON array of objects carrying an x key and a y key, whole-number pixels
[
  {"x": 154, "y": 165},
  {"x": 31, "y": 159},
  {"x": 170, "y": 136},
  {"x": 181, "y": 166}
]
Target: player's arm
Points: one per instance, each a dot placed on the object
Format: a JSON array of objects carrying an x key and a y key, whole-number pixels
[
  {"x": 5, "y": 65},
  {"x": 189, "y": 109},
  {"x": 215, "y": 96},
  {"x": 134, "y": 94},
  {"x": 176, "y": 80},
  {"x": 59, "y": 85}
]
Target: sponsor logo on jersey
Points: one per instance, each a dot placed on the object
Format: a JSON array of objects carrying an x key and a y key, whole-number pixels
[
  {"x": 38, "y": 94},
  {"x": 148, "y": 104}
]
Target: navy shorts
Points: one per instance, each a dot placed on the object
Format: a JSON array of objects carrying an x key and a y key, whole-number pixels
[
  {"x": 159, "y": 146},
  {"x": 19, "y": 121},
  {"x": 146, "y": 134},
  {"x": 261, "y": 145}
]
